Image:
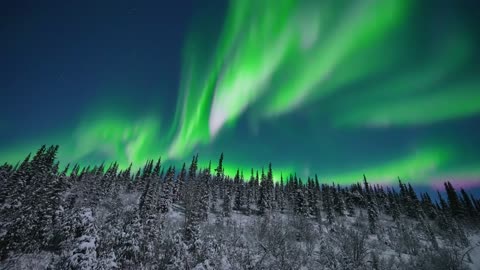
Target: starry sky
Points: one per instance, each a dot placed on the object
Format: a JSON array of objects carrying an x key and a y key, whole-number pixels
[{"x": 385, "y": 88}]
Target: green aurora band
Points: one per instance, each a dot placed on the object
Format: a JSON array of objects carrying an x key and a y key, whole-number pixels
[{"x": 273, "y": 57}]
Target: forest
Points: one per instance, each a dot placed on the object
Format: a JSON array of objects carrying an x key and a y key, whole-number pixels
[{"x": 163, "y": 217}]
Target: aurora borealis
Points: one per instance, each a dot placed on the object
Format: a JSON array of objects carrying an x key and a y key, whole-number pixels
[{"x": 336, "y": 88}]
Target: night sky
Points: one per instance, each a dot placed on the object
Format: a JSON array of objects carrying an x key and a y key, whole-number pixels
[{"x": 385, "y": 88}]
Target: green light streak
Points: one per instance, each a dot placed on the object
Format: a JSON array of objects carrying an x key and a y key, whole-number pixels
[
  {"x": 416, "y": 167},
  {"x": 104, "y": 139},
  {"x": 365, "y": 23},
  {"x": 266, "y": 43},
  {"x": 193, "y": 116},
  {"x": 417, "y": 78},
  {"x": 452, "y": 102},
  {"x": 275, "y": 56}
]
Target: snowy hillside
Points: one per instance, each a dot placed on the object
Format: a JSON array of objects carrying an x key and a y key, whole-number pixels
[{"x": 199, "y": 218}]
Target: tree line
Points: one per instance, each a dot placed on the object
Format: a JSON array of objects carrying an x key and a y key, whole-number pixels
[{"x": 102, "y": 217}]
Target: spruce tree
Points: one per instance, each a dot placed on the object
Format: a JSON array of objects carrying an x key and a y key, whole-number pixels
[
  {"x": 311, "y": 197},
  {"x": 14, "y": 183},
  {"x": 428, "y": 207},
  {"x": 301, "y": 207},
  {"x": 371, "y": 208},
  {"x": 166, "y": 195},
  {"x": 270, "y": 189},
  {"x": 84, "y": 254},
  {"x": 349, "y": 203},
  {"x": 455, "y": 206},
  {"x": 468, "y": 206},
  {"x": 338, "y": 205},
  {"x": 217, "y": 190},
  {"x": 327, "y": 204},
  {"x": 238, "y": 191},
  {"x": 192, "y": 211},
  {"x": 281, "y": 195},
  {"x": 262, "y": 203},
  {"x": 181, "y": 185},
  {"x": 413, "y": 202},
  {"x": 249, "y": 194},
  {"x": 131, "y": 239},
  {"x": 204, "y": 194},
  {"x": 227, "y": 198}
]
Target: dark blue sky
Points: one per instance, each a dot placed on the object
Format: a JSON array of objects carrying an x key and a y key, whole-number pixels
[{"x": 86, "y": 52}]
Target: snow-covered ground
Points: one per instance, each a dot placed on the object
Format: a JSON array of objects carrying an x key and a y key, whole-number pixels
[{"x": 302, "y": 243}]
